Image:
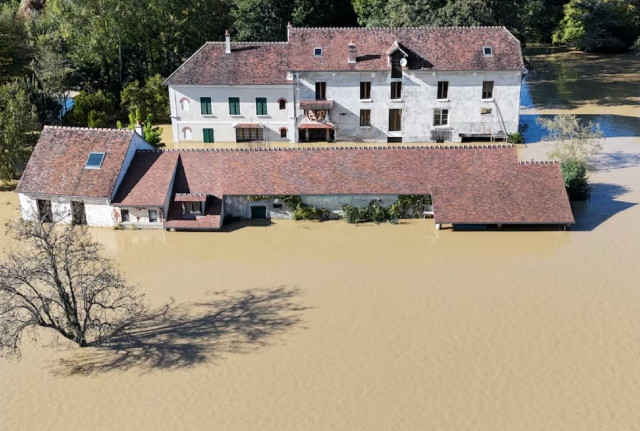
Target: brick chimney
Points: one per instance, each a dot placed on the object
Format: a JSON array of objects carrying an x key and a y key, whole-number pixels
[
  {"x": 227, "y": 42},
  {"x": 353, "y": 54}
]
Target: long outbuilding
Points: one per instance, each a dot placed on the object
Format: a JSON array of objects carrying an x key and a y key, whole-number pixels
[{"x": 134, "y": 184}]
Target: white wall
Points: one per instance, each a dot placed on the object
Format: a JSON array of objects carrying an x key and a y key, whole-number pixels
[
  {"x": 220, "y": 121},
  {"x": 98, "y": 211},
  {"x": 139, "y": 217},
  {"x": 419, "y": 94}
]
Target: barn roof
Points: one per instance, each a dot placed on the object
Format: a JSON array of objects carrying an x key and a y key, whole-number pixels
[
  {"x": 475, "y": 184},
  {"x": 58, "y": 163}
]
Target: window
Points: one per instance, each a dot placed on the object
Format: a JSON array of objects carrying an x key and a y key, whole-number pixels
[
  {"x": 184, "y": 104},
  {"x": 487, "y": 50},
  {"x": 205, "y": 105},
  {"x": 396, "y": 68},
  {"x": 396, "y": 90},
  {"x": 282, "y": 104},
  {"x": 246, "y": 135},
  {"x": 207, "y": 136},
  {"x": 443, "y": 90},
  {"x": 186, "y": 133},
  {"x": 153, "y": 216},
  {"x": 234, "y": 106},
  {"x": 192, "y": 207},
  {"x": 94, "y": 161},
  {"x": 395, "y": 120},
  {"x": 321, "y": 90},
  {"x": 365, "y": 117},
  {"x": 261, "y": 106},
  {"x": 440, "y": 117},
  {"x": 283, "y": 132},
  {"x": 317, "y": 52},
  {"x": 125, "y": 215},
  {"x": 44, "y": 211},
  {"x": 365, "y": 91},
  {"x": 487, "y": 90}
]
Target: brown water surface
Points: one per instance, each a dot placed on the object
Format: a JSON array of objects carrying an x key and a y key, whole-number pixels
[{"x": 330, "y": 326}]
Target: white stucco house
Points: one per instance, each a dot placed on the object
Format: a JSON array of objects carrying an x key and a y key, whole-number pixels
[{"x": 351, "y": 84}]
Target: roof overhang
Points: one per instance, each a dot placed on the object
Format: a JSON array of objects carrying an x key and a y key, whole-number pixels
[
  {"x": 316, "y": 126},
  {"x": 248, "y": 126},
  {"x": 190, "y": 197},
  {"x": 316, "y": 104}
]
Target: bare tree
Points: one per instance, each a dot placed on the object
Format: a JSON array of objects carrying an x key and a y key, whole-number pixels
[{"x": 57, "y": 278}]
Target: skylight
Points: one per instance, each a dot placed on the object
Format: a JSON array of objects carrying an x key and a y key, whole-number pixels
[
  {"x": 317, "y": 52},
  {"x": 487, "y": 50},
  {"x": 94, "y": 161}
]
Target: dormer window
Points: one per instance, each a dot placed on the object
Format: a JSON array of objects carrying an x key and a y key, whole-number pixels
[
  {"x": 487, "y": 50},
  {"x": 94, "y": 161},
  {"x": 317, "y": 52}
]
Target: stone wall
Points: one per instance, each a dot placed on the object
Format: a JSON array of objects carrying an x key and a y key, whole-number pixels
[{"x": 239, "y": 206}]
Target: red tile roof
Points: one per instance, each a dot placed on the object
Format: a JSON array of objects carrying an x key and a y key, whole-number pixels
[
  {"x": 56, "y": 166},
  {"x": 190, "y": 197},
  {"x": 250, "y": 63},
  {"x": 469, "y": 185},
  {"x": 147, "y": 180},
  {"x": 428, "y": 48},
  {"x": 316, "y": 126}
]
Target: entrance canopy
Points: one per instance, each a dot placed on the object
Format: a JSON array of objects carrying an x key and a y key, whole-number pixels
[
  {"x": 248, "y": 126},
  {"x": 316, "y": 126},
  {"x": 316, "y": 104}
]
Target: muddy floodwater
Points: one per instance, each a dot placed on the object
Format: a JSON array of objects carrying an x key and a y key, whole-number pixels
[{"x": 330, "y": 326}]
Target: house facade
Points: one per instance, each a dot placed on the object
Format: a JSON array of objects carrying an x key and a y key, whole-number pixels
[{"x": 348, "y": 84}]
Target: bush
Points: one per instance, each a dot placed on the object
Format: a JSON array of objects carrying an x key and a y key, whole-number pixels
[
  {"x": 373, "y": 212},
  {"x": 516, "y": 138},
  {"x": 575, "y": 178}
]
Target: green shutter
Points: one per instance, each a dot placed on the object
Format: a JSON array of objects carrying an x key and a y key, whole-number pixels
[
  {"x": 261, "y": 105},
  {"x": 205, "y": 105},
  {"x": 207, "y": 135},
  {"x": 234, "y": 106}
]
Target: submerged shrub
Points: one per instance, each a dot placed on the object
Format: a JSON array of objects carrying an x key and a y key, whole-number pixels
[{"x": 576, "y": 181}]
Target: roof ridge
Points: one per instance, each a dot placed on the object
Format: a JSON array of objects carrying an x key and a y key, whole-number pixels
[
  {"x": 461, "y": 27},
  {"x": 102, "y": 129},
  {"x": 326, "y": 148},
  {"x": 212, "y": 42},
  {"x": 538, "y": 162}
]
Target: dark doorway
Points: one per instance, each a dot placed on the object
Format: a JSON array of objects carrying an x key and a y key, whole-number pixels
[
  {"x": 258, "y": 212},
  {"x": 44, "y": 211},
  {"x": 78, "y": 214}
]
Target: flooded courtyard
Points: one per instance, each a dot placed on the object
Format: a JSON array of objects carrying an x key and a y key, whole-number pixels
[{"x": 331, "y": 326}]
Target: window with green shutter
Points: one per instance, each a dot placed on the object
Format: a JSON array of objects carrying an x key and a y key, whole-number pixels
[
  {"x": 207, "y": 136},
  {"x": 234, "y": 106},
  {"x": 261, "y": 106},
  {"x": 205, "y": 105}
]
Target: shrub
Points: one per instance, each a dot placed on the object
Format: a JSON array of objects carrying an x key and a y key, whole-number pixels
[
  {"x": 575, "y": 178},
  {"x": 516, "y": 138},
  {"x": 89, "y": 108}
]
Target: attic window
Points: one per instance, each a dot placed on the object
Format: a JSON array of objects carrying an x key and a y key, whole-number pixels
[
  {"x": 487, "y": 50},
  {"x": 317, "y": 52},
  {"x": 94, "y": 161}
]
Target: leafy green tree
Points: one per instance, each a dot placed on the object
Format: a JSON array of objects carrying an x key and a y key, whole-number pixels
[
  {"x": 152, "y": 134},
  {"x": 599, "y": 25},
  {"x": 262, "y": 20},
  {"x": 90, "y": 108},
  {"x": 570, "y": 140},
  {"x": 18, "y": 128},
  {"x": 14, "y": 49},
  {"x": 150, "y": 99},
  {"x": 371, "y": 13}
]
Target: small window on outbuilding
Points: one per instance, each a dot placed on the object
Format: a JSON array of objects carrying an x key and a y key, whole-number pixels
[
  {"x": 125, "y": 215},
  {"x": 153, "y": 216},
  {"x": 487, "y": 50},
  {"x": 317, "y": 52},
  {"x": 94, "y": 161}
]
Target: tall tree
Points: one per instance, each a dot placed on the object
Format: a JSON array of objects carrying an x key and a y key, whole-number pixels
[
  {"x": 14, "y": 49},
  {"x": 57, "y": 279},
  {"x": 18, "y": 127}
]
